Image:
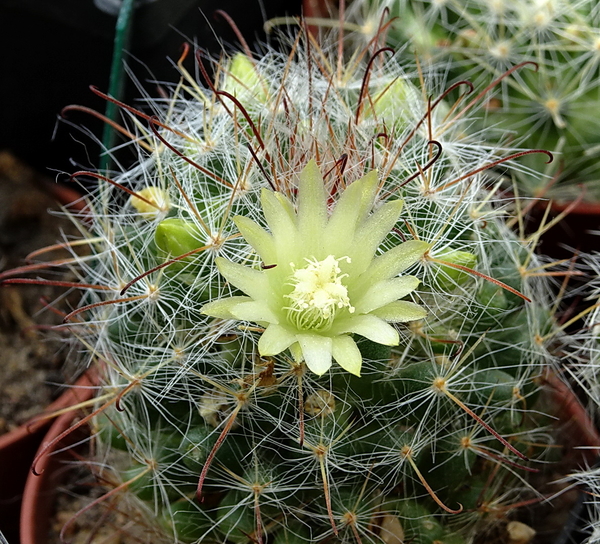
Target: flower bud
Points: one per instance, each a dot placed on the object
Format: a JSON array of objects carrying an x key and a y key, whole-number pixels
[
  {"x": 154, "y": 201},
  {"x": 176, "y": 237}
]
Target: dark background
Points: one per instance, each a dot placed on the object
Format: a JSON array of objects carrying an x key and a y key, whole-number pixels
[{"x": 53, "y": 50}]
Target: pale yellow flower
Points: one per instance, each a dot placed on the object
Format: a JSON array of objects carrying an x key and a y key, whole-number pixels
[{"x": 324, "y": 281}]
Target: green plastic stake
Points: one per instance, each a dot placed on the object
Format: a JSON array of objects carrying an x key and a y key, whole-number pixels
[{"x": 116, "y": 84}]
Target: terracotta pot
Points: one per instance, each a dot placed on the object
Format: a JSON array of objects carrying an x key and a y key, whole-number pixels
[
  {"x": 69, "y": 197},
  {"x": 578, "y": 229},
  {"x": 40, "y": 487},
  {"x": 580, "y": 441},
  {"x": 581, "y": 208},
  {"x": 579, "y": 428},
  {"x": 316, "y": 8},
  {"x": 17, "y": 450}
]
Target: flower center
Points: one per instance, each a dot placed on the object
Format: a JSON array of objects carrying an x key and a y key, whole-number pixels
[{"x": 318, "y": 294}]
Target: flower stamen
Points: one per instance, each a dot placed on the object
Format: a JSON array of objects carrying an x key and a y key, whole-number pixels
[{"x": 318, "y": 294}]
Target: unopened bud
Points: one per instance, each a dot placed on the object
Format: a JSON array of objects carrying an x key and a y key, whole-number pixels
[
  {"x": 153, "y": 202},
  {"x": 177, "y": 236}
]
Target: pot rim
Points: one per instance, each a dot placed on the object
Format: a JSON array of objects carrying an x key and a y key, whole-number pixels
[
  {"x": 37, "y": 486},
  {"x": 44, "y": 419}
]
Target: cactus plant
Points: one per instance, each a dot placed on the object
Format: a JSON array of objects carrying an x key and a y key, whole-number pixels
[
  {"x": 305, "y": 209},
  {"x": 550, "y": 102}
]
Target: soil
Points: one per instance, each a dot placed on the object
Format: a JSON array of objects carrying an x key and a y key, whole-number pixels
[{"x": 33, "y": 354}]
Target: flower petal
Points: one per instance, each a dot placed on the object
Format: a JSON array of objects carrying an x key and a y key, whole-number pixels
[
  {"x": 351, "y": 209},
  {"x": 401, "y": 311},
  {"x": 281, "y": 218},
  {"x": 373, "y": 231},
  {"x": 317, "y": 352},
  {"x": 253, "y": 282},
  {"x": 346, "y": 353},
  {"x": 312, "y": 207},
  {"x": 256, "y": 311},
  {"x": 370, "y": 327},
  {"x": 222, "y": 307},
  {"x": 279, "y": 214},
  {"x": 274, "y": 340},
  {"x": 384, "y": 292},
  {"x": 257, "y": 237},
  {"x": 393, "y": 262}
]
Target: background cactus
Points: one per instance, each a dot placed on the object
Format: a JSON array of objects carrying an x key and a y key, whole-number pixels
[
  {"x": 219, "y": 441},
  {"x": 549, "y": 104}
]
